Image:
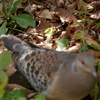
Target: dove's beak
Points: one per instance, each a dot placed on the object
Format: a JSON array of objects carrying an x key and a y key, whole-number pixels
[{"x": 93, "y": 71}]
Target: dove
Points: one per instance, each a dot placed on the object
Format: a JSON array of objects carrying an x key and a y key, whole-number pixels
[{"x": 58, "y": 75}]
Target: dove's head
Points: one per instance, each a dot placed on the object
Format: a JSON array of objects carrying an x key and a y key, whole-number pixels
[{"x": 85, "y": 62}]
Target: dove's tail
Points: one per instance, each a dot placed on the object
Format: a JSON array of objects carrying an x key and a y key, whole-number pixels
[{"x": 14, "y": 44}]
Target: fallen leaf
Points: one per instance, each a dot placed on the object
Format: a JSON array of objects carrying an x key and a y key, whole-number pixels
[
  {"x": 90, "y": 41},
  {"x": 11, "y": 70},
  {"x": 95, "y": 53},
  {"x": 71, "y": 7},
  {"x": 73, "y": 48},
  {"x": 44, "y": 24},
  {"x": 65, "y": 16},
  {"x": 82, "y": 6},
  {"x": 45, "y": 14}
]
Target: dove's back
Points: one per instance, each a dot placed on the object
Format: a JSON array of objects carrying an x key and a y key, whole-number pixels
[{"x": 37, "y": 64}]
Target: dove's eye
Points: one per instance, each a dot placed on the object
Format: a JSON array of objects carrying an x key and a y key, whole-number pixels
[{"x": 83, "y": 62}]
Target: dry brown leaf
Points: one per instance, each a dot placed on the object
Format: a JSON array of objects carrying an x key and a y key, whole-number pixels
[
  {"x": 80, "y": 6},
  {"x": 71, "y": 7},
  {"x": 71, "y": 1},
  {"x": 95, "y": 53},
  {"x": 24, "y": 1},
  {"x": 10, "y": 87},
  {"x": 39, "y": 39},
  {"x": 28, "y": 8},
  {"x": 11, "y": 70},
  {"x": 60, "y": 3},
  {"x": 96, "y": 4},
  {"x": 20, "y": 6},
  {"x": 1, "y": 47},
  {"x": 1, "y": 20},
  {"x": 1, "y": 9},
  {"x": 89, "y": 6},
  {"x": 73, "y": 48},
  {"x": 43, "y": 25},
  {"x": 90, "y": 41},
  {"x": 65, "y": 33},
  {"x": 45, "y": 14},
  {"x": 74, "y": 18},
  {"x": 47, "y": 45},
  {"x": 31, "y": 95},
  {"x": 95, "y": 15},
  {"x": 65, "y": 16}
]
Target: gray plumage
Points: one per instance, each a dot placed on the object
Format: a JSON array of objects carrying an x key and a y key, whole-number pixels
[{"x": 58, "y": 75}]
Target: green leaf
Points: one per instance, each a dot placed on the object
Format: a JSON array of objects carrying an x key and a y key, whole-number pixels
[
  {"x": 49, "y": 33},
  {"x": 98, "y": 24},
  {"x": 4, "y": 65},
  {"x": 83, "y": 20},
  {"x": 10, "y": 5},
  {"x": 3, "y": 83},
  {"x": 98, "y": 64},
  {"x": 3, "y": 28},
  {"x": 39, "y": 97},
  {"x": 22, "y": 98},
  {"x": 4, "y": 8},
  {"x": 63, "y": 43},
  {"x": 24, "y": 20},
  {"x": 95, "y": 47},
  {"x": 95, "y": 90},
  {"x": 79, "y": 36},
  {"x": 85, "y": 12},
  {"x": 2, "y": 93},
  {"x": 16, "y": 95},
  {"x": 87, "y": 20},
  {"x": 3, "y": 78},
  {"x": 16, "y": 3},
  {"x": 5, "y": 60},
  {"x": 1, "y": 15},
  {"x": 17, "y": 92},
  {"x": 84, "y": 47}
]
